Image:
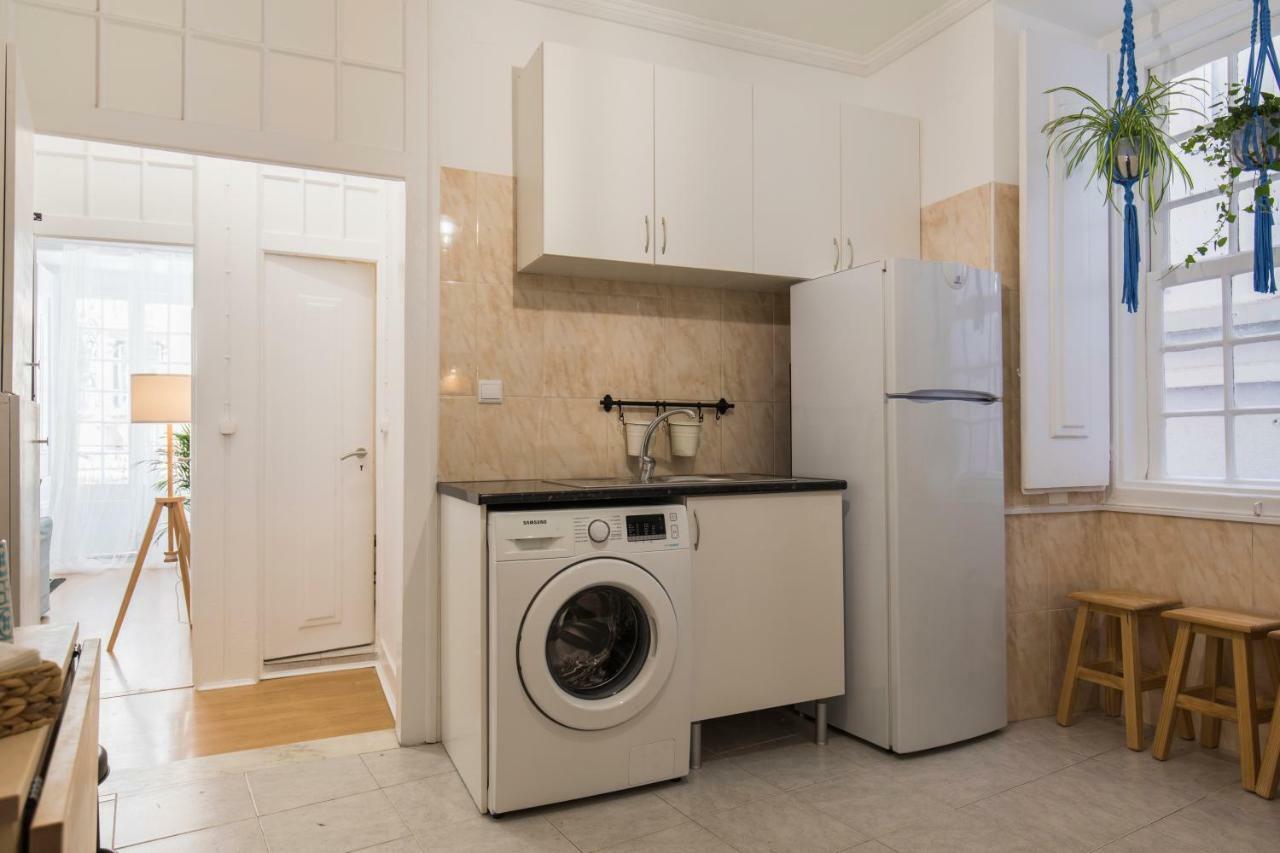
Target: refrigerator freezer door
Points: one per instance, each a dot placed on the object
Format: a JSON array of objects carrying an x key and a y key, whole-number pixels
[
  {"x": 946, "y": 571},
  {"x": 943, "y": 328}
]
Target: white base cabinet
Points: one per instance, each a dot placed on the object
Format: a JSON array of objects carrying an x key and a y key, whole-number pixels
[{"x": 768, "y": 590}]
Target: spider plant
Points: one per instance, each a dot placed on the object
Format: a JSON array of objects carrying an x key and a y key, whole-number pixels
[{"x": 1124, "y": 140}]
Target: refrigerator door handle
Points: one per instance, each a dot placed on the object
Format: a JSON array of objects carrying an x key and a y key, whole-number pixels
[{"x": 938, "y": 395}]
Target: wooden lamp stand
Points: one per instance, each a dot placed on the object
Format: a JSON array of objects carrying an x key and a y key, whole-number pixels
[{"x": 161, "y": 398}]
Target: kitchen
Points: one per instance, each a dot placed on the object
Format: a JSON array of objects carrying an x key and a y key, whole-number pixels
[{"x": 760, "y": 478}]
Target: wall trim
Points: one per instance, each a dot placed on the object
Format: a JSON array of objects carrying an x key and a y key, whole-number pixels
[
  {"x": 638, "y": 14},
  {"x": 1041, "y": 509}
]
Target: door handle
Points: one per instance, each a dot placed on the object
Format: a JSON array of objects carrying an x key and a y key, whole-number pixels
[
  {"x": 646, "y": 233},
  {"x": 835, "y": 241},
  {"x": 849, "y": 240},
  {"x": 664, "y": 235},
  {"x": 697, "y": 530},
  {"x": 358, "y": 453}
]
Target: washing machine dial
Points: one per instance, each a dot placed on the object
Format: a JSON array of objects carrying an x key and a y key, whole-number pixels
[{"x": 598, "y": 530}]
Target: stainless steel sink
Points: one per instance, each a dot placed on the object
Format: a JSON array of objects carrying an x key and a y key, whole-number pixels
[{"x": 665, "y": 480}]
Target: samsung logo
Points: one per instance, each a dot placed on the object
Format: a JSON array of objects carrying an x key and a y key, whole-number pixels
[{"x": 535, "y": 521}]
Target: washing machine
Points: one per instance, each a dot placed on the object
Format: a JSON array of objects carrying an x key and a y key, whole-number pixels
[{"x": 589, "y": 652}]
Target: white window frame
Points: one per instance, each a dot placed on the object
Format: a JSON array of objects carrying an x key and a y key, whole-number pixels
[{"x": 1138, "y": 347}]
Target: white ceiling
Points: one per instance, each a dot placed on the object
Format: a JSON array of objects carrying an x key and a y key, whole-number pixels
[
  {"x": 1095, "y": 18},
  {"x": 853, "y": 26}
]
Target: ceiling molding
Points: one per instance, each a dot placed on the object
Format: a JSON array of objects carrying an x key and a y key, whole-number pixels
[{"x": 638, "y": 14}]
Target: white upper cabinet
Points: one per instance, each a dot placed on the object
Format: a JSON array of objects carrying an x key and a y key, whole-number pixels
[
  {"x": 702, "y": 171},
  {"x": 637, "y": 172},
  {"x": 880, "y": 176},
  {"x": 584, "y": 157},
  {"x": 796, "y": 184}
]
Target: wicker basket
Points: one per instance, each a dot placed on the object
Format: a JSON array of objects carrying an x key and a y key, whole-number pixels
[{"x": 29, "y": 698}]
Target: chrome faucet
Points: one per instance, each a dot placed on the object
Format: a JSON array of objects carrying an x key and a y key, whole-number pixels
[{"x": 646, "y": 461}]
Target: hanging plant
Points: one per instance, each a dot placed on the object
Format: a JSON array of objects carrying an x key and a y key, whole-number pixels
[
  {"x": 1245, "y": 137},
  {"x": 1125, "y": 144}
]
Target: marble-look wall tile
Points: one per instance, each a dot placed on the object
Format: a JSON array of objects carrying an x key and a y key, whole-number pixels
[
  {"x": 1030, "y": 685},
  {"x": 782, "y": 439},
  {"x": 748, "y": 349},
  {"x": 574, "y": 438},
  {"x": 457, "y": 338},
  {"x": 959, "y": 228},
  {"x": 575, "y": 344},
  {"x": 507, "y": 439},
  {"x": 496, "y": 228},
  {"x": 510, "y": 325},
  {"x": 1266, "y": 568},
  {"x": 782, "y": 347},
  {"x": 749, "y": 438},
  {"x": 1201, "y": 561},
  {"x": 457, "y": 225},
  {"x": 457, "y": 438},
  {"x": 690, "y": 352},
  {"x": 632, "y": 352}
]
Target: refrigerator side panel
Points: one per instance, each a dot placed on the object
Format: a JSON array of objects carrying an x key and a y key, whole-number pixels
[
  {"x": 943, "y": 327},
  {"x": 838, "y": 430},
  {"x": 947, "y": 571}
]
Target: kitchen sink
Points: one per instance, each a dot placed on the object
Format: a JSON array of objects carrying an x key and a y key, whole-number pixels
[{"x": 665, "y": 480}]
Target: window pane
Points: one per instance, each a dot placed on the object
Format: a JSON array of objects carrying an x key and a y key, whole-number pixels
[
  {"x": 1195, "y": 448},
  {"x": 1197, "y": 102},
  {"x": 1242, "y": 70},
  {"x": 1191, "y": 225},
  {"x": 1253, "y": 313},
  {"x": 1193, "y": 380},
  {"x": 1258, "y": 447},
  {"x": 1203, "y": 177},
  {"x": 1245, "y": 224},
  {"x": 1257, "y": 374},
  {"x": 1193, "y": 312}
]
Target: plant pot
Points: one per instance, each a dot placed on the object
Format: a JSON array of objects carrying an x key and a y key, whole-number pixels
[
  {"x": 685, "y": 436},
  {"x": 1253, "y": 146},
  {"x": 1128, "y": 165},
  {"x": 635, "y": 428}
]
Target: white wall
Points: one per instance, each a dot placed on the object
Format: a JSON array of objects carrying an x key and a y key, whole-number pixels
[
  {"x": 948, "y": 83},
  {"x": 90, "y": 83},
  {"x": 327, "y": 73},
  {"x": 476, "y": 45},
  {"x": 95, "y": 190}
]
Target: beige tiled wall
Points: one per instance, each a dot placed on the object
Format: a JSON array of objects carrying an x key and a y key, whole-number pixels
[
  {"x": 1050, "y": 554},
  {"x": 560, "y": 344}
]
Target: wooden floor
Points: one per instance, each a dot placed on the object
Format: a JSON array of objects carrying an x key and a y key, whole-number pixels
[
  {"x": 146, "y": 729},
  {"x": 153, "y": 651}
]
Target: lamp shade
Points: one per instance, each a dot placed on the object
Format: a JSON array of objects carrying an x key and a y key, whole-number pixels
[{"x": 160, "y": 398}]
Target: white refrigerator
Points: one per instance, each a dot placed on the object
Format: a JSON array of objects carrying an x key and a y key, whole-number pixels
[{"x": 896, "y": 384}]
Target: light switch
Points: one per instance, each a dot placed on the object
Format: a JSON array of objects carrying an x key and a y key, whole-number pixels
[{"x": 490, "y": 390}]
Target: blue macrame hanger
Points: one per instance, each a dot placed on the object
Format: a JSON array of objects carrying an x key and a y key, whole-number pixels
[
  {"x": 1257, "y": 149},
  {"x": 1132, "y": 247}
]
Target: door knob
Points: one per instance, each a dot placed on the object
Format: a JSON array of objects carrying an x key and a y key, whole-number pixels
[{"x": 358, "y": 453}]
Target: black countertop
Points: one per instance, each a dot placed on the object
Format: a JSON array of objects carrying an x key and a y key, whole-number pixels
[{"x": 570, "y": 491}]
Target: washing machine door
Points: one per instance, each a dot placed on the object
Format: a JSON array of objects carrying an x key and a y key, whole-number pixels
[{"x": 597, "y": 644}]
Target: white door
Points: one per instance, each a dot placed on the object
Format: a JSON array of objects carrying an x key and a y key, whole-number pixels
[
  {"x": 797, "y": 184},
  {"x": 702, "y": 171},
  {"x": 880, "y": 174},
  {"x": 18, "y": 377},
  {"x": 597, "y": 150},
  {"x": 318, "y": 506}
]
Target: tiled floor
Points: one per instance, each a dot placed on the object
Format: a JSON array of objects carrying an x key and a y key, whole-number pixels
[{"x": 1036, "y": 788}]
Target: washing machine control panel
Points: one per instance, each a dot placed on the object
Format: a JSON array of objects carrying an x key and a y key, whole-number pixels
[{"x": 565, "y": 532}]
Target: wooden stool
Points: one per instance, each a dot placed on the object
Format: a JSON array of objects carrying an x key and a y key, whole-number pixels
[
  {"x": 1211, "y": 700},
  {"x": 1271, "y": 755},
  {"x": 1121, "y": 670}
]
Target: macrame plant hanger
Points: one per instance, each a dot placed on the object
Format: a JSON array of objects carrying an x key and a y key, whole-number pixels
[
  {"x": 1128, "y": 74},
  {"x": 1257, "y": 151}
]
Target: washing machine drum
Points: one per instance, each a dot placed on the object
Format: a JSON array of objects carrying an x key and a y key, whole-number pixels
[{"x": 597, "y": 644}]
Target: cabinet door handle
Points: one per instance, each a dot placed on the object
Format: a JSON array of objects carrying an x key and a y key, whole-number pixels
[
  {"x": 849, "y": 240},
  {"x": 697, "y": 530},
  {"x": 664, "y": 235},
  {"x": 835, "y": 241},
  {"x": 646, "y": 233}
]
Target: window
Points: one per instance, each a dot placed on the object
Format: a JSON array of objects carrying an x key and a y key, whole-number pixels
[{"x": 1212, "y": 344}]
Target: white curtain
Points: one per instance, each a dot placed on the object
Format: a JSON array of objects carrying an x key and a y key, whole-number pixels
[{"x": 111, "y": 311}]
